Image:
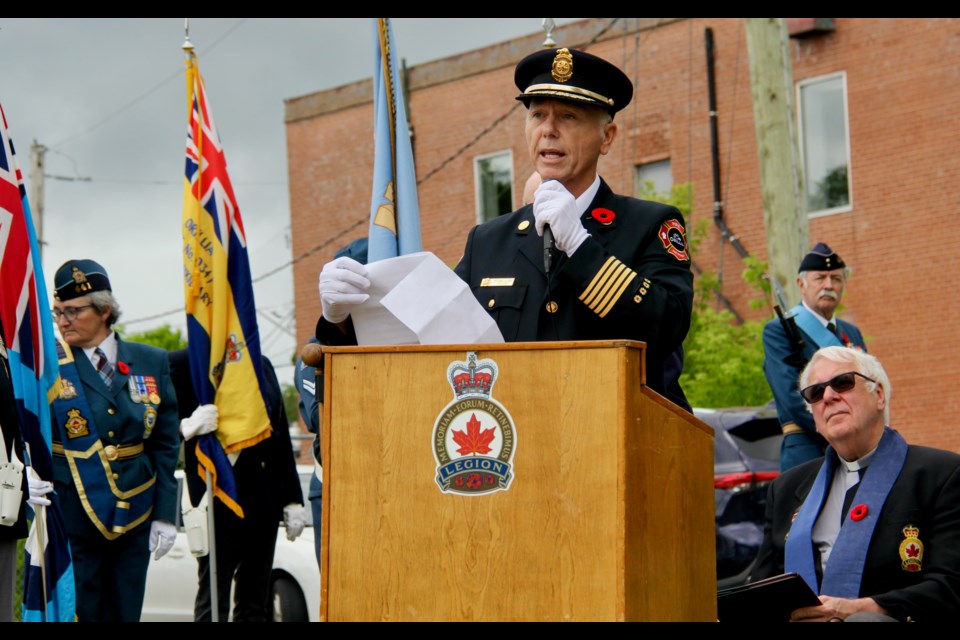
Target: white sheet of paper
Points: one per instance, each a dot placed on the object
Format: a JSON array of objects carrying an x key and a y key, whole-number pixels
[{"x": 417, "y": 299}]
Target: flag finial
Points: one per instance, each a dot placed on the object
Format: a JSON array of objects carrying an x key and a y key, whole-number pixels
[
  {"x": 187, "y": 45},
  {"x": 548, "y": 26}
]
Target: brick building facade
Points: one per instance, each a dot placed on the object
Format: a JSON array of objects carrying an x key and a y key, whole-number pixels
[{"x": 902, "y": 95}]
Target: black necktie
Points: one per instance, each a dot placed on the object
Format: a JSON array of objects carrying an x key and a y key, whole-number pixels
[{"x": 832, "y": 328}]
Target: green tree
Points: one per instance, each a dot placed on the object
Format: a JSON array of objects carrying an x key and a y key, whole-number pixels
[
  {"x": 291, "y": 399},
  {"x": 164, "y": 337},
  {"x": 723, "y": 360}
]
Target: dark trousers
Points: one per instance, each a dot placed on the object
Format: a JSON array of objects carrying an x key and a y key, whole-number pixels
[
  {"x": 110, "y": 575},
  {"x": 245, "y": 549}
]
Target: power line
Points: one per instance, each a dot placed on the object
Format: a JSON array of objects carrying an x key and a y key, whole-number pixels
[{"x": 146, "y": 93}]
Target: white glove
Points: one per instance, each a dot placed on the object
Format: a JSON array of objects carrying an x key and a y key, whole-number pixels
[
  {"x": 162, "y": 536},
  {"x": 203, "y": 420},
  {"x": 38, "y": 489},
  {"x": 343, "y": 285},
  {"x": 294, "y": 519},
  {"x": 554, "y": 205}
]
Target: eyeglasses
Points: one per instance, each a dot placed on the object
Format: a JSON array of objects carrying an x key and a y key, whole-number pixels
[
  {"x": 70, "y": 312},
  {"x": 839, "y": 383}
]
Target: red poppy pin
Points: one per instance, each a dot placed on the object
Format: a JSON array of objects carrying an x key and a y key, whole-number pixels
[
  {"x": 859, "y": 512},
  {"x": 603, "y": 216},
  {"x": 123, "y": 368}
]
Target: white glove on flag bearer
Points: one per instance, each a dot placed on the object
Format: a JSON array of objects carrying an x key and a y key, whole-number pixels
[{"x": 203, "y": 420}]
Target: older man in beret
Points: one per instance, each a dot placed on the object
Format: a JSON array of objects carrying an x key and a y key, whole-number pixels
[
  {"x": 115, "y": 446},
  {"x": 619, "y": 268},
  {"x": 821, "y": 278}
]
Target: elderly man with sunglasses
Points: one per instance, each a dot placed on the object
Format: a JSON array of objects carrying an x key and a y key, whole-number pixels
[
  {"x": 874, "y": 526},
  {"x": 115, "y": 445}
]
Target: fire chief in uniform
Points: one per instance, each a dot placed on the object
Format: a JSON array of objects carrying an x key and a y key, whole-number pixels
[
  {"x": 620, "y": 267},
  {"x": 115, "y": 446}
]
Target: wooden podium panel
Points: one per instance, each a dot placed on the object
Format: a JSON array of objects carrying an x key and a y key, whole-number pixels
[{"x": 609, "y": 515}]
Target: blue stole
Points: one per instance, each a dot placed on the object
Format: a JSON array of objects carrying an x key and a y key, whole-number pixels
[
  {"x": 811, "y": 326},
  {"x": 112, "y": 511},
  {"x": 845, "y": 568}
]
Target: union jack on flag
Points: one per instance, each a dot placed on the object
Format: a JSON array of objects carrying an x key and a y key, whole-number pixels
[
  {"x": 28, "y": 334},
  {"x": 224, "y": 341}
]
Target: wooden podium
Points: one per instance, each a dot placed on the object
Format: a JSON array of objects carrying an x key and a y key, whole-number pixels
[{"x": 607, "y": 513}]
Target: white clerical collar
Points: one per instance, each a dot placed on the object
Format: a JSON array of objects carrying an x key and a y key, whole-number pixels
[
  {"x": 583, "y": 202},
  {"x": 816, "y": 315},
  {"x": 860, "y": 463},
  {"x": 108, "y": 346}
]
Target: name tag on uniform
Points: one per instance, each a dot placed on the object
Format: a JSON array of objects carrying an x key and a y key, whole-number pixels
[{"x": 497, "y": 282}]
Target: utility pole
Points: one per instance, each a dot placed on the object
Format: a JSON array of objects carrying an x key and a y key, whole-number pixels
[
  {"x": 781, "y": 176},
  {"x": 35, "y": 196}
]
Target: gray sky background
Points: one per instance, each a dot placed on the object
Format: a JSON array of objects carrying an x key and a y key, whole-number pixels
[{"x": 107, "y": 97}]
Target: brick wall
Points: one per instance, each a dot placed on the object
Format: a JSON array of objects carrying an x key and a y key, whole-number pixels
[{"x": 901, "y": 236}]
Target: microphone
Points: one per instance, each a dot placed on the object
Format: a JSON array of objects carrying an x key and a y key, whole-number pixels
[{"x": 549, "y": 248}]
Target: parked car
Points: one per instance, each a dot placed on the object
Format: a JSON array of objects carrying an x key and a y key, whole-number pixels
[
  {"x": 746, "y": 449},
  {"x": 294, "y": 581}
]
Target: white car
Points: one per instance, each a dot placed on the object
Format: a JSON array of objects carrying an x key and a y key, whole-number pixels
[{"x": 294, "y": 581}]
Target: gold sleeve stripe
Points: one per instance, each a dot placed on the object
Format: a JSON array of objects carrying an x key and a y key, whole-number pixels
[
  {"x": 615, "y": 295},
  {"x": 607, "y": 286},
  {"x": 598, "y": 280}
]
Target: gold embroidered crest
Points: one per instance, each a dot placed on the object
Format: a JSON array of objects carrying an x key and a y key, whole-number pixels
[
  {"x": 562, "y": 69},
  {"x": 67, "y": 389},
  {"x": 911, "y": 549},
  {"x": 76, "y": 425}
]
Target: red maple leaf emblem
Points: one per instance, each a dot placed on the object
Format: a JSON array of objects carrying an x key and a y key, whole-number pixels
[
  {"x": 473, "y": 440},
  {"x": 913, "y": 551}
]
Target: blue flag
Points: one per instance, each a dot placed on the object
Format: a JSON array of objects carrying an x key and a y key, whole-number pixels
[
  {"x": 28, "y": 327},
  {"x": 394, "y": 209}
]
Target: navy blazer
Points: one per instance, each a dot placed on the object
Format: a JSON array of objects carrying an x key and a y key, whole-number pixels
[
  {"x": 120, "y": 420},
  {"x": 925, "y": 495}
]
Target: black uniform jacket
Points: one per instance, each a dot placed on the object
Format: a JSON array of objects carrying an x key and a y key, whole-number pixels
[
  {"x": 630, "y": 279},
  {"x": 926, "y": 495}
]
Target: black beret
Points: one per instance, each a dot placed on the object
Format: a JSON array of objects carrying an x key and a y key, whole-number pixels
[
  {"x": 76, "y": 278},
  {"x": 575, "y": 76},
  {"x": 821, "y": 258}
]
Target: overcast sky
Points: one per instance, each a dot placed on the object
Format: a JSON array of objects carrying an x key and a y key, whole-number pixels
[{"x": 107, "y": 97}]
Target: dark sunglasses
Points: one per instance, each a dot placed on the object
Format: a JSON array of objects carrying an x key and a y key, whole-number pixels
[{"x": 839, "y": 383}]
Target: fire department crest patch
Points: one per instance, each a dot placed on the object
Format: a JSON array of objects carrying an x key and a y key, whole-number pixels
[
  {"x": 473, "y": 438},
  {"x": 674, "y": 239}
]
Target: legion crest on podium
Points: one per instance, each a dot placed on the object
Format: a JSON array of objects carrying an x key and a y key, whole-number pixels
[{"x": 473, "y": 438}]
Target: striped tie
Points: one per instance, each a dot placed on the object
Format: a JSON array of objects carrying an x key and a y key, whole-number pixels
[{"x": 104, "y": 368}]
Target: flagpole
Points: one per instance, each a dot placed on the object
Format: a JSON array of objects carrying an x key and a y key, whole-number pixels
[
  {"x": 41, "y": 516},
  {"x": 211, "y": 527}
]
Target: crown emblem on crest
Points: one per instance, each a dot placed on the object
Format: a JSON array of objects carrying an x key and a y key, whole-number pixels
[
  {"x": 911, "y": 531},
  {"x": 472, "y": 378}
]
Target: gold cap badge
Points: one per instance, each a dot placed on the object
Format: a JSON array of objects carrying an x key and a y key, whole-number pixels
[{"x": 562, "y": 69}]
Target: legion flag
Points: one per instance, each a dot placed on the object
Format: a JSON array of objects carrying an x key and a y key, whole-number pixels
[{"x": 224, "y": 341}]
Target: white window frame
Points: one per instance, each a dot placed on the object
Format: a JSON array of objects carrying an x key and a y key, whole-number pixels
[
  {"x": 846, "y": 114},
  {"x": 477, "y": 187}
]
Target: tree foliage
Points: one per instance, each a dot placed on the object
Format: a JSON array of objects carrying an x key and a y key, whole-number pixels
[
  {"x": 723, "y": 360},
  {"x": 164, "y": 337}
]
